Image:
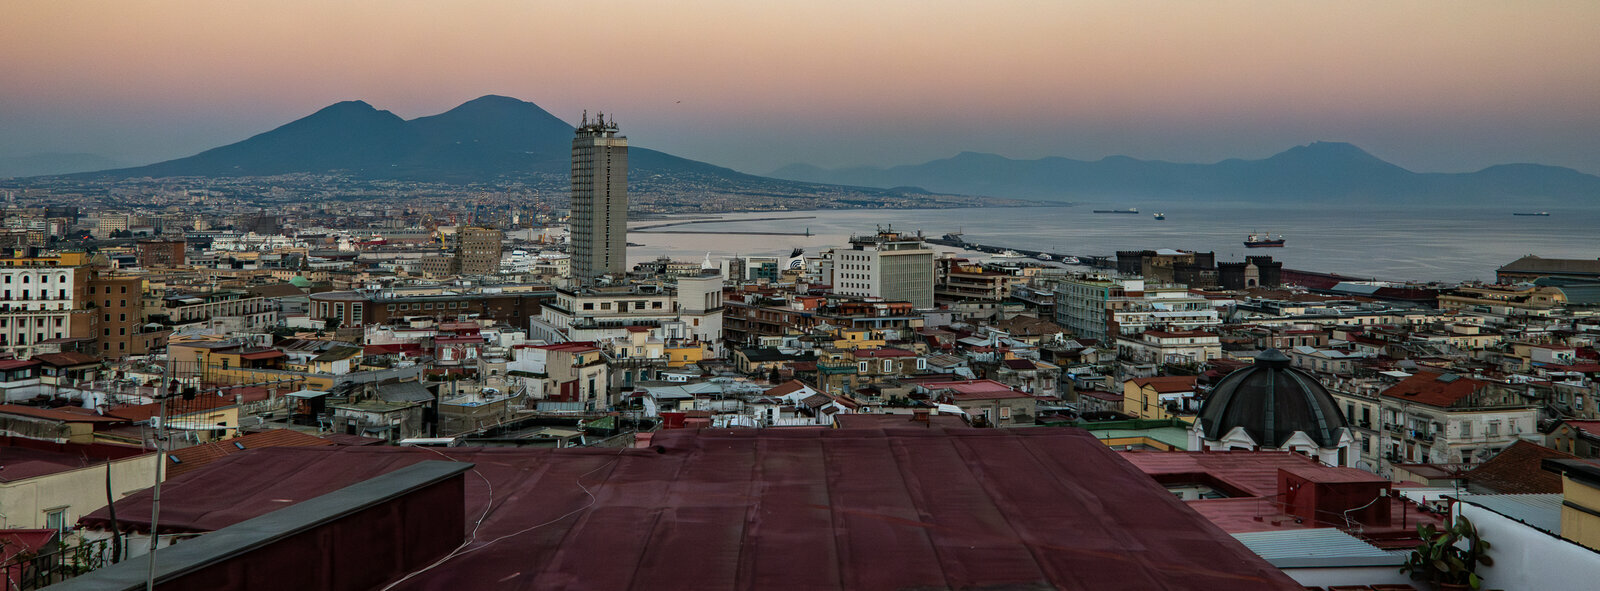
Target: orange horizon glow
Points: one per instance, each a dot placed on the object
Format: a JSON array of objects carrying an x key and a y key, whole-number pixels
[{"x": 1420, "y": 83}]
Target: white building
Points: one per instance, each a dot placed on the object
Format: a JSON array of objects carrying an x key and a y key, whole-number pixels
[{"x": 887, "y": 265}]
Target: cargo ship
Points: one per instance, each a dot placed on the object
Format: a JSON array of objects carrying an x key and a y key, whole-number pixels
[
  {"x": 1132, "y": 210},
  {"x": 1543, "y": 214},
  {"x": 1263, "y": 241}
]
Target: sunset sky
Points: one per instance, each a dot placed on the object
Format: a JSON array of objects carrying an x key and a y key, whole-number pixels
[{"x": 757, "y": 84}]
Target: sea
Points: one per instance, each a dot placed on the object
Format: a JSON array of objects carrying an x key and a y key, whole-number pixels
[{"x": 1400, "y": 243}]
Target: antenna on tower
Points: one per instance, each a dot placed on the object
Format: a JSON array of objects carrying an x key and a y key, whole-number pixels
[{"x": 585, "y": 122}]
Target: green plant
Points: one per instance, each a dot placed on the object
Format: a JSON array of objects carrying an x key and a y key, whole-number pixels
[{"x": 1450, "y": 556}]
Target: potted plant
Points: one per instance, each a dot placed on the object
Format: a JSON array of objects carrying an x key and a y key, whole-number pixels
[{"x": 1449, "y": 558}]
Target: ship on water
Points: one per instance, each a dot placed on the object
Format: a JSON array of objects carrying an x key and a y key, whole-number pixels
[
  {"x": 1263, "y": 241},
  {"x": 1161, "y": 216},
  {"x": 1132, "y": 210},
  {"x": 1543, "y": 214}
]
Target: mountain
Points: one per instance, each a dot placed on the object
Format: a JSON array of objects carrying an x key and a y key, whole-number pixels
[
  {"x": 1320, "y": 170},
  {"x": 486, "y": 139},
  {"x": 53, "y": 163}
]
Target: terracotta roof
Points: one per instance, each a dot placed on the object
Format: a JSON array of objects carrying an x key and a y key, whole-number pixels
[
  {"x": 66, "y": 359},
  {"x": 1434, "y": 389},
  {"x": 1166, "y": 384},
  {"x": 815, "y": 400},
  {"x": 786, "y": 388},
  {"x": 1516, "y": 470},
  {"x": 194, "y": 457},
  {"x": 176, "y": 407},
  {"x": 10, "y": 364},
  {"x": 1590, "y": 428}
]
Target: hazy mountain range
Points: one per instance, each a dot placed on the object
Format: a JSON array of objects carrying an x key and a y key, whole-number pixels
[
  {"x": 1318, "y": 170},
  {"x": 496, "y": 138}
]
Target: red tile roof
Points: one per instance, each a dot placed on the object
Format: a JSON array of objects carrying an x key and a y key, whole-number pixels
[
  {"x": 886, "y": 508},
  {"x": 786, "y": 388},
  {"x": 176, "y": 407},
  {"x": 1427, "y": 388},
  {"x": 10, "y": 364},
  {"x": 1516, "y": 470},
  {"x": 67, "y": 359}
]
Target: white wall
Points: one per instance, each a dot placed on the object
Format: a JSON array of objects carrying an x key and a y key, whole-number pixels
[{"x": 1526, "y": 558}]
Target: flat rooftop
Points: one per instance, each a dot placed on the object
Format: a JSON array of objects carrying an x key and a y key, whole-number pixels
[{"x": 869, "y": 508}]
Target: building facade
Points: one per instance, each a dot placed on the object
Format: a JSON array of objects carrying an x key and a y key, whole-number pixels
[
  {"x": 599, "y": 200},
  {"x": 478, "y": 250},
  {"x": 886, "y": 265}
]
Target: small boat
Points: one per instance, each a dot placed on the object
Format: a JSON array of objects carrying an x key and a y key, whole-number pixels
[
  {"x": 1161, "y": 216},
  {"x": 1543, "y": 214},
  {"x": 1263, "y": 241},
  {"x": 1044, "y": 256},
  {"x": 1133, "y": 210},
  {"x": 1010, "y": 254},
  {"x": 1069, "y": 260}
]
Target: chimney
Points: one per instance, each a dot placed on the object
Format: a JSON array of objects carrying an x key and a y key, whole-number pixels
[{"x": 919, "y": 415}]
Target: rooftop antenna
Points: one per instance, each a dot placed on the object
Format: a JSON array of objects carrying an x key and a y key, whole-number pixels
[{"x": 585, "y": 122}]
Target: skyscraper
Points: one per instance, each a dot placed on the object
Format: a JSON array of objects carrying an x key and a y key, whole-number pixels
[{"x": 599, "y": 200}]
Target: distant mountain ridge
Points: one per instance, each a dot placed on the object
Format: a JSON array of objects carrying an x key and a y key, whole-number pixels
[
  {"x": 482, "y": 139},
  {"x": 1320, "y": 170}
]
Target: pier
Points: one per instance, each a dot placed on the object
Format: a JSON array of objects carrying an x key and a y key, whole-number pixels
[{"x": 725, "y": 221}]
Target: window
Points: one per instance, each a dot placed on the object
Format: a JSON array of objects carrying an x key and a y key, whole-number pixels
[
  {"x": 862, "y": 367},
  {"x": 1494, "y": 428},
  {"x": 588, "y": 305},
  {"x": 1005, "y": 412},
  {"x": 56, "y": 519},
  {"x": 888, "y": 366},
  {"x": 655, "y": 305},
  {"x": 1466, "y": 430},
  {"x": 922, "y": 363}
]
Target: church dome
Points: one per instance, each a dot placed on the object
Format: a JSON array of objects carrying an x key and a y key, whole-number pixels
[{"x": 1272, "y": 400}]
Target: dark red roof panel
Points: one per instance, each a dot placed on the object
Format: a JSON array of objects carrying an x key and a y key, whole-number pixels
[{"x": 877, "y": 508}]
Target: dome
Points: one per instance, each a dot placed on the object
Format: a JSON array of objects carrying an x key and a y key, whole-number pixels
[
  {"x": 299, "y": 281},
  {"x": 1272, "y": 400}
]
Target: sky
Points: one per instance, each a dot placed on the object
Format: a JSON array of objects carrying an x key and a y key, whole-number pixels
[{"x": 755, "y": 85}]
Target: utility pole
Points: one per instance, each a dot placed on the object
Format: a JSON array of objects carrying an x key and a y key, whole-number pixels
[{"x": 161, "y": 447}]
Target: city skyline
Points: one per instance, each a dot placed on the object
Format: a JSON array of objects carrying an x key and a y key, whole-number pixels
[{"x": 1430, "y": 86}]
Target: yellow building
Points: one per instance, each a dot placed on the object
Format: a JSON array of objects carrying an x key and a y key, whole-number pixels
[
  {"x": 62, "y": 488},
  {"x": 684, "y": 354},
  {"x": 1580, "y": 504},
  {"x": 1159, "y": 397}
]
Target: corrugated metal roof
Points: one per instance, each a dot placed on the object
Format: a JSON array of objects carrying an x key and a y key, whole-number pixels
[
  {"x": 1313, "y": 548},
  {"x": 1542, "y": 511}
]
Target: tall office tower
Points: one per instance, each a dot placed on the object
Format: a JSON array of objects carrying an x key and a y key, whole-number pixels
[
  {"x": 599, "y": 200},
  {"x": 478, "y": 250}
]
